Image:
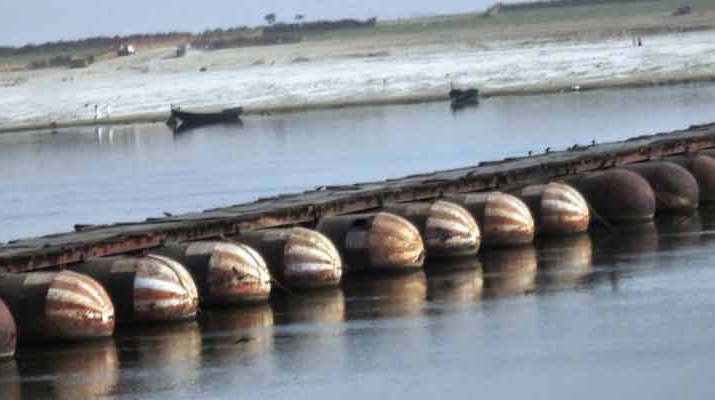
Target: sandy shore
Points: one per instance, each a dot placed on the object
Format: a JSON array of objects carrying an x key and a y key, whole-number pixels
[{"x": 363, "y": 69}]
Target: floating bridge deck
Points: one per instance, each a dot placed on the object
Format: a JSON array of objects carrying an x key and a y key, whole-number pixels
[{"x": 308, "y": 207}]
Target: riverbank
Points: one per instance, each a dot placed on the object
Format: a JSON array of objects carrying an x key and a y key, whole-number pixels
[
  {"x": 370, "y": 68},
  {"x": 156, "y": 117}
]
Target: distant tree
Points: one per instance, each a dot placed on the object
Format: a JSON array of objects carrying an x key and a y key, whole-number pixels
[
  {"x": 270, "y": 18},
  {"x": 299, "y": 17}
]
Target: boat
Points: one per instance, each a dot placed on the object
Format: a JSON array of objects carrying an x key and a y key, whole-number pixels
[
  {"x": 461, "y": 98},
  {"x": 185, "y": 119}
]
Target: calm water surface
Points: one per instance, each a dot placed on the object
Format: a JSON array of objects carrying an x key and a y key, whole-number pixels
[
  {"x": 49, "y": 182},
  {"x": 601, "y": 316}
]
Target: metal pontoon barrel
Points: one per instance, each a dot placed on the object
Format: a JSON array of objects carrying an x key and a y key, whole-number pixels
[
  {"x": 676, "y": 189},
  {"x": 55, "y": 306},
  {"x": 379, "y": 241},
  {"x": 299, "y": 258},
  {"x": 702, "y": 166},
  {"x": 557, "y": 208},
  {"x": 224, "y": 272},
  {"x": 8, "y": 333},
  {"x": 448, "y": 230},
  {"x": 504, "y": 220},
  {"x": 617, "y": 195},
  {"x": 149, "y": 288}
]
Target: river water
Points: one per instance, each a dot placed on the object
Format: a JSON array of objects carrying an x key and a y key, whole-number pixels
[
  {"x": 49, "y": 182},
  {"x": 600, "y": 316},
  {"x": 621, "y": 314}
]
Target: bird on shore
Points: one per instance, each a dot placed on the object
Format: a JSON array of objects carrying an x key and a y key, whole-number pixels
[
  {"x": 530, "y": 153},
  {"x": 548, "y": 150}
]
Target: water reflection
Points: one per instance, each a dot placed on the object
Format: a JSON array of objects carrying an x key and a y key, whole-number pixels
[
  {"x": 462, "y": 284},
  {"x": 237, "y": 333},
  {"x": 157, "y": 358},
  {"x": 10, "y": 386},
  {"x": 75, "y": 371},
  {"x": 565, "y": 260},
  {"x": 386, "y": 296},
  {"x": 509, "y": 271},
  {"x": 624, "y": 243},
  {"x": 677, "y": 231},
  {"x": 320, "y": 306}
]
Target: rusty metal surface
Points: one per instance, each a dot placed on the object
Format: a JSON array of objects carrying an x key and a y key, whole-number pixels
[
  {"x": 299, "y": 258},
  {"x": 702, "y": 166},
  {"x": 309, "y": 207},
  {"x": 381, "y": 241},
  {"x": 676, "y": 189},
  {"x": 558, "y": 208},
  {"x": 150, "y": 288},
  {"x": 504, "y": 220},
  {"x": 448, "y": 229},
  {"x": 224, "y": 272},
  {"x": 617, "y": 195},
  {"x": 50, "y": 306},
  {"x": 8, "y": 333}
]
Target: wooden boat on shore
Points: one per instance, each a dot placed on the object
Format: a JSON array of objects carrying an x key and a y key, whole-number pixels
[
  {"x": 180, "y": 119},
  {"x": 461, "y": 98}
]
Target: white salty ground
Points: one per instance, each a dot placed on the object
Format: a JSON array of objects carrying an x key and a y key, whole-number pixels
[{"x": 291, "y": 76}]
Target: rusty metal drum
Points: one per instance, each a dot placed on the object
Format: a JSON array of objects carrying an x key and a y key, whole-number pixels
[
  {"x": 150, "y": 288},
  {"x": 299, "y": 258},
  {"x": 504, "y": 220},
  {"x": 57, "y": 306},
  {"x": 702, "y": 166},
  {"x": 224, "y": 272},
  {"x": 676, "y": 189},
  {"x": 376, "y": 241},
  {"x": 617, "y": 195},
  {"x": 8, "y": 333},
  {"x": 448, "y": 229},
  {"x": 558, "y": 208}
]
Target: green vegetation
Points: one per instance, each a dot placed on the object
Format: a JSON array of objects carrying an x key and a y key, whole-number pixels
[{"x": 522, "y": 17}]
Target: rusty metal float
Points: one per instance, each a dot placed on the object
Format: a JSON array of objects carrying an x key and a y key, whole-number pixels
[
  {"x": 504, "y": 220},
  {"x": 149, "y": 288},
  {"x": 676, "y": 189},
  {"x": 448, "y": 230},
  {"x": 702, "y": 166},
  {"x": 509, "y": 271},
  {"x": 8, "y": 333},
  {"x": 376, "y": 241},
  {"x": 617, "y": 195},
  {"x": 224, "y": 272},
  {"x": 56, "y": 306},
  {"x": 299, "y": 258},
  {"x": 557, "y": 208}
]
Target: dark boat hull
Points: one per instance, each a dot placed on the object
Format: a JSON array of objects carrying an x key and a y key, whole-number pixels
[
  {"x": 462, "y": 98},
  {"x": 185, "y": 119}
]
